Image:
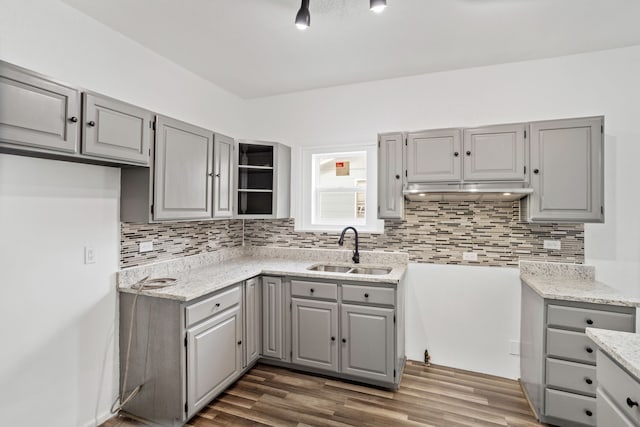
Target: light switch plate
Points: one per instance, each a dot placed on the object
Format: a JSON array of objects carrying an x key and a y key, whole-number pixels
[
  {"x": 89, "y": 255},
  {"x": 145, "y": 247},
  {"x": 552, "y": 244},
  {"x": 514, "y": 347},
  {"x": 469, "y": 256}
]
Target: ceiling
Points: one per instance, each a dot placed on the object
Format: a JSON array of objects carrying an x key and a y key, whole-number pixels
[{"x": 252, "y": 47}]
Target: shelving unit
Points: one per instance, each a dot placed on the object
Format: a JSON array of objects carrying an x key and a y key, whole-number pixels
[{"x": 263, "y": 176}]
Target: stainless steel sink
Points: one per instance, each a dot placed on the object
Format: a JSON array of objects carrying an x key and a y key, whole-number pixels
[
  {"x": 370, "y": 270},
  {"x": 332, "y": 268}
]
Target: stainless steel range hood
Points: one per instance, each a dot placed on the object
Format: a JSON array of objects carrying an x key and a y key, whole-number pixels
[{"x": 466, "y": 192}]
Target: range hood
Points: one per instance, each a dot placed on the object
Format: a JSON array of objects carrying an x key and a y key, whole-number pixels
[{"x": 466, "y": 192}]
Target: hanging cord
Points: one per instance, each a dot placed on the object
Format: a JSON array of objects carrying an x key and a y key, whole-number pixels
[{"x": 143, "y": 284}]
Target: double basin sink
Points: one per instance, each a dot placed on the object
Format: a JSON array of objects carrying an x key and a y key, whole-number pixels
[{"x": 336, "y": 268}]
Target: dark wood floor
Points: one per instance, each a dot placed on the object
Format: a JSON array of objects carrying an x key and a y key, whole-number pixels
[{"x": 428, "y": 396}]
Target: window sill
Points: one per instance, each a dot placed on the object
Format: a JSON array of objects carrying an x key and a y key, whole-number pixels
[{"x": 338, "y": 228}]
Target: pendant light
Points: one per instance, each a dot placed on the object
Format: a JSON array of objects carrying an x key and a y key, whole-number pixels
[
  {"x": 377, "y": 6},
  {"x": 303, "y": 18}
]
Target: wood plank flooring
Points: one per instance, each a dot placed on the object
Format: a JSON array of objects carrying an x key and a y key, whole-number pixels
[{"x": 428, "y": 396}]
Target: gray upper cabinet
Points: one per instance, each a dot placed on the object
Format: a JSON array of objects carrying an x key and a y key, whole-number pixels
[
  {"x": 567, "y": 171},
  {"x": 495, "y": 153},
  {"x": 37, "y": 113},
  {"x": 183, "y": 171},
  {"x": 434, "y": 156},
  {"x": 314, "y": 325},
  {"x": 223, "y": 148},
  {"x": 390, "y": 176},
  {"x": 115, "y": 130}
]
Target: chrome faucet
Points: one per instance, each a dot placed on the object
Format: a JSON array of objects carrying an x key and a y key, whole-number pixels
[{"x": 356, "y": 254}]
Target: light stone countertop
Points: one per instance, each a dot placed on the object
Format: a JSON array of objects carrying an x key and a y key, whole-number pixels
[
  {"x": 200, "y": 275},
  {"x": 571, "y": 282},
  {"x": 623, "y": 347}
]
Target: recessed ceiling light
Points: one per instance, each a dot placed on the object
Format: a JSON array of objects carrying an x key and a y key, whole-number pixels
[
  {"x": 303, "y": 18},
  {"x": 377, "y": 6}
]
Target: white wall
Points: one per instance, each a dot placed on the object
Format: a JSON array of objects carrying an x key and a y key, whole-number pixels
[
  {"x": 58, "y": 365},
  {"x": 590, "y": 84},
  {"x": 58, "y": 317}
]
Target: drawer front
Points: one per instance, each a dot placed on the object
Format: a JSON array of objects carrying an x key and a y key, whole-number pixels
[
  {"x": 620, "y": 386},
  {"x": 570, "y": 345},
  {"x": 572, "y": 376},
  {"x": 213, "y": 305},
  {"x": 569, "y": 406},
  {"x": 581, "y": 318},
  {"x": 609, "y": 414},
  {"x": 301, "y": 288},
  {"x": 368, "y": 294}
]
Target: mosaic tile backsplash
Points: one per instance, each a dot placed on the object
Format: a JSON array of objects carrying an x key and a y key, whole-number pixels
[
  {"x": 439, "y": 232},
  {"x": 432, "y": 232},
  {"x": 176, "y": 239}
]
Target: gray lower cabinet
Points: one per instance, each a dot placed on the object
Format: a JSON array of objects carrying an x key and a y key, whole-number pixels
[
  {"x": 183, "y": 171},
  {"x": 495, "y": 153},
  {"x": 115, "y": 130},
  {"x": 314, "y": 325},
  {"x": 618, "y": 394},
  {"x": 253, "y": 320},
  {"x": 558, "y": 367},
  {"x": 273, "y": 317},
  {"x": 368, "y": 342},
  {"x": 214, "y": 357},
  {"x": 434, "y": 156},
  {"x": 567, "y": 168},
  {"x": 390, "y": 176},
  {"x": 37, "y": 113}
]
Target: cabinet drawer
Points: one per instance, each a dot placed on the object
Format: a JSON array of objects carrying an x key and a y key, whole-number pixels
[
  {"x": 581, "y": 318},
  {"x": 608, "y": 413},
  {"x": 569, "y": 406},
  {"x": 213, "y": 305},
  {"x": 571, "y": 376},
  {"x": 570, "y": 345},
  {"x": 301, "y": 288},
  {"x": 368, "y": 294},
  {"x": 620, "y": 386}
]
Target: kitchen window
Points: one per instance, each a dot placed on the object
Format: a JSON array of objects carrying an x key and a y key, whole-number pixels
[{"x": 338, "y": 188}]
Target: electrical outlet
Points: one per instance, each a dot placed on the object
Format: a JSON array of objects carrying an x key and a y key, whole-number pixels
[
  {"x": 514, "y": 347},
  {"x": 145, "y": 247},
  {"x": 469, "y": 256},
  {"x": 89, "y": 255},
  {"x": 551, "y": 244}
]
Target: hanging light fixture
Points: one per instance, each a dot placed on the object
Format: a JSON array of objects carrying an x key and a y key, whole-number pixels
[
  {"x": 377, "y": 6},
  {"x": 303, "y": 18}
]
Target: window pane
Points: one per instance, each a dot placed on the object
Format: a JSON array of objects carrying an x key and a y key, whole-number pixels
[
  {"x": 340, "y": 206},
  {"x": 340, "y": 171}
]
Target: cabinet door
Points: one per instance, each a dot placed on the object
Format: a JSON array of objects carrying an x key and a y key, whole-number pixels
[
  {"x": 114, "y": 130},
  {"x": 183, "y": 171},
  {"x": 36, "y": 112},
  {"x": 253, "y": 332},
  {"x": 390, "y": 172},
  {"x": 367, "y": 342},
  {"x": 495, "y": 153},
  {"x": 223, "y": 176},
  {"x": 567, "y": 170},
  {"x": 433, "y": 156},
  {"x": 214, "y": 357},
  {"x": 272, "y": 317},
  {"x": 315, "y": 330}
]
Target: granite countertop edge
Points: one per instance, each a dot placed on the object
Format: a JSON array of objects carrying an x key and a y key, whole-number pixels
[
  {"x": 198, "y": 282},
  {"x": 623, "y": 347}
]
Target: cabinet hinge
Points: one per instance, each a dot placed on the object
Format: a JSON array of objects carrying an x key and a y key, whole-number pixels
[
  {"x": 186, "y": 407},
  {"x": 394, "y": 373},
  {"x": 602, "y": 209},
  {"x": 290, "y": 306},
  {"x": 601, "y": 128},
  {"x": 378, "y": 208},
  {"x": 291, "y": 354},
  {"x": 149, "y": 151},
  {"x": 525, "y": 134},
  {"x": 394, "y": 318},
  {"x": 152, "y": 124},
  {"x": 406, "y": 141},
  {"x": 151, "y": 209},
  {"x": 525, "y": 170},
  {"x": 185, "y": 341},
  {"x": 406, "y": 173},
  {"x": 378, "y": 142}
]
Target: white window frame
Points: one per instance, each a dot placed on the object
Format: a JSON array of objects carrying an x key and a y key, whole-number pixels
[{"x": 305, "y": 171}]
